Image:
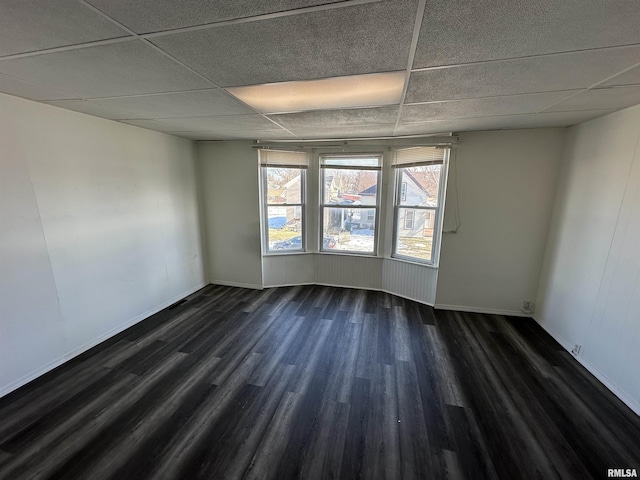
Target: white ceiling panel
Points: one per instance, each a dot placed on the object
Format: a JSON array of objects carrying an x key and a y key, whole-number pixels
[
  {"x": 601, "y": 98},
  {"x": 180, "y": 104},
  {"x": 347, "y": 41},
  {"x": 143, "y": 16},
  {"x": 220, "y": 123},
  {"x": 32, "y": 25},
  {"x": 556, "y": 119},
  {"x": 527, "y": 75},
  {"x": 23, "y": 89},
  {"x": 456, "y": 32},
  {"x": 477, "y": 65},
  {"x": 83, "y": 106},
  {"x": 457, "y": 125},
  {"x": 334, "y": 119},
  {"x": 477, "y": 107},
  {"x": 125, "y": 68},
  {"x": 630, "y": 77},
  {"x": 157, "y": 126},
  {"x": 362, "y": 131},
  {"x": 234, "y": 135}
]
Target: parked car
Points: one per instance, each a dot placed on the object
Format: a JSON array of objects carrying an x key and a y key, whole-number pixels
[
  {"x": 328, "y": 242},
  {"x": 295, "y": 243}
]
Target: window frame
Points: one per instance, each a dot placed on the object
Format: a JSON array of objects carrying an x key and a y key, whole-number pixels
[
  {"x": 265, "y": 207},
  {"x": 437, "y": 211},
  {"x": 322, "y": 205}
]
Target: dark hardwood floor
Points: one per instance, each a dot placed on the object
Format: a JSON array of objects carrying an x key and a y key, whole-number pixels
[{"x": 318, "y": 382}]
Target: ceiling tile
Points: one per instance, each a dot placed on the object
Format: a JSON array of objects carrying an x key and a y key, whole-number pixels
[
  {"x": 489, "y": 106},
  {"x": 530, "y": 75},
  {"x": 359, "y": 39},
  {"x": 461, "y": 32},
  {"x": 363, "y": 131},
  {"x": 144, "y": 16},
  {"x": 219, "y": 123},
  {"x": 236, "y": 135},
  {"x": 556, "y": 119},
  {"x": 457, "y": 125},
  {"x": 83, "y": 106},
  {"x": 125, "y": 68},
  {"x": 630, "y": 77},
  {"x": 181, "y": 104},
  {"x": 20, "y": 88},
  {"x": 257, "y": 134},
  {"x": 156, "y": 125},
  {"x": 31, "y": 25},
  {"x": 336, "y": 119},
  {"x": 601, "y": 98}
]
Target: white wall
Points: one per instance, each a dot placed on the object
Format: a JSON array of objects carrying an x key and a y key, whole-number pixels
[
  {"x": 505, "y": 183},
  {"x": 232, "y": 212},
  {"x": 98, "y": 229},
  {"x": 589, "y": 291}
]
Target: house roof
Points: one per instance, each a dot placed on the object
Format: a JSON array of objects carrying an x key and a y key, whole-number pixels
[
  {"x": 372, "y": 190},
  {"x": 417, "y": 182}
]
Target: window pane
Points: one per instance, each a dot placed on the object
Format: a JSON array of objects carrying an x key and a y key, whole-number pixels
[
  {"x": 352, "y": 161},
  {"x": 285, "y": 228},
  {"x": 350, "y": 229},
  {"x": 350, "y": 187},
  {"x": 414, "y": 233},
  {"x": 283, "y": 185},
  {"x": 422, "y": 185}
]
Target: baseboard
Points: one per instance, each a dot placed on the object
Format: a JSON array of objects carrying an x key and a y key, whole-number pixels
[
  {"x": 289, "y": 284},
  {"x": 491, "y": 311},
  {"x": 424, "y": 302},
  {"x": 101, "y": 338},
  {"x": 237, "y": 284},
  {"x": 350, "y": 286},
  {"x": 593, "y": 370}
]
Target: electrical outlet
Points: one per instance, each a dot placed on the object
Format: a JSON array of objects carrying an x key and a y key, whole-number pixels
[
  {"x": 527, "y": 306},
  {"x": 576, "y": 349}
]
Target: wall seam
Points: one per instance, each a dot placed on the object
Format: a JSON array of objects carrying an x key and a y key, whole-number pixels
[{"x": 589, "y": 332}]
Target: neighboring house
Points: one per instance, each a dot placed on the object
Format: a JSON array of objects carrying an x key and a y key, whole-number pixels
[
  {"x": 413, "y": 222},
  {"x": 339, "y": 220},
  {"x": 285, "y": 217}
]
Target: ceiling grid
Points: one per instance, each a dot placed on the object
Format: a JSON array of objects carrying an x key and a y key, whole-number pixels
[{"x": 174, "y": 66}]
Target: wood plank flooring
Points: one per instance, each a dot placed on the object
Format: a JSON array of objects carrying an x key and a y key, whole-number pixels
[{"x": 318, "y": 382}]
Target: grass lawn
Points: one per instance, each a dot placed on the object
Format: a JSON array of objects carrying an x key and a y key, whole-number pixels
[
  {"x": 277, "y": 235},
  {"x": 415, "y": 247}
]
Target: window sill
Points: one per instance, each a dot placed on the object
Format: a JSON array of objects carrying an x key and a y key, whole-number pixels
[
  {"x": 413, "y": 262},
  {"x": 285, "y": 254},
  {"x": 347, "y": 254}
]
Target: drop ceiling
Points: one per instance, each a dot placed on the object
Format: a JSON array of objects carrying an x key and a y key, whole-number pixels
[{"x": 172, "y": 66}]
